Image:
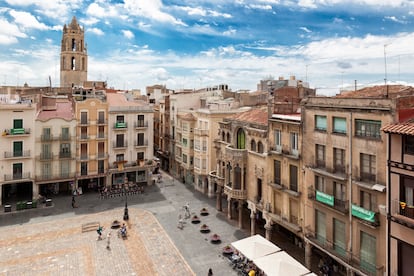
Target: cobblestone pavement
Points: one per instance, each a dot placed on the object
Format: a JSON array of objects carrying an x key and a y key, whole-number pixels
[{"x": 59, "y": 247}]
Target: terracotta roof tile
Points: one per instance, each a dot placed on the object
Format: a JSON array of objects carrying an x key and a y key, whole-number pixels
[
  {"x": 391, "y": 91},
  {"x": 406, "y": 128},
  {"x": 255, "y": 115},
  {"x": 62, "y": 111}
]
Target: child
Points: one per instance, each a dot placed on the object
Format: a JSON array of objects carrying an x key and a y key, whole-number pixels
[{"x": 99, "y": 231}]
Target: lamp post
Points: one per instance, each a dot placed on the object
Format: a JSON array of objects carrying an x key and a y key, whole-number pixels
[{"x": 126, "y": 216}]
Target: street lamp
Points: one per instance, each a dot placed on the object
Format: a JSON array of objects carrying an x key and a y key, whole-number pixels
[{"x": 126, "y": 216}]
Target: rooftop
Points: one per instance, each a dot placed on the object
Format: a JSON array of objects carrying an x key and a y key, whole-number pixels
[{"x": 383, "y": 91}]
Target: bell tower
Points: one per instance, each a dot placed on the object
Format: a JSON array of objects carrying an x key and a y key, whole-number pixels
[{"x": 73, "y": 56}]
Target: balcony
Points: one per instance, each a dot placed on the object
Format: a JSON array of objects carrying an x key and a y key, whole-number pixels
[
  {"x": 201, "y": 132},
  {"x": 16, "y": 132},
  {"x": 101, "y": 122},
  {"x": 238, "y": 155},
  {"x": 17, "y": 154},
  {"x": 138, "y": 144},
  {"x": 120, "y": 125},
  {"x": 214, "y": 178},
  {"x": 48, "y": 177},
  {"x": 46, "y": 138},
  {"x": 329, "y": 200},
  {"x": 277, "y": 185},
  {"x": 120, "y": 145},
  {"x": 365, "y": 216},
  {"x": 64, "y": 154},
  {"x": 141, "y": 124},
  {"x": 64, "y": 137},
  {"x": 235, "y": 193},
  {"x": 402, "y": 213},
  {"x": 84, "y": 122},
  {"x": 17, "y": 176},
  {"x": 102, "y": 155},
  {"x": 46, "y": 156},
  {"x": 84, "y": 137}
]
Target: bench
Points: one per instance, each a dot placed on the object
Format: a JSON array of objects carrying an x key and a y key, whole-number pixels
[{"x": 90, "y": 226}]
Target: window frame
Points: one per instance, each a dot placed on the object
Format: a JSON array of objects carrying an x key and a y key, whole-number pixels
[
  {"x": 368, "y": 128},
  {"x": 335, "y": 128},
  {"x": 318, "y": 118}
]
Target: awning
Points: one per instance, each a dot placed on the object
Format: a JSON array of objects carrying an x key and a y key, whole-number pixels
[
  {"x": 280, "y": 263},
  {"x": 255, "y": 246}
]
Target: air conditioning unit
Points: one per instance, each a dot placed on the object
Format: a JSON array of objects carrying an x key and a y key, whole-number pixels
[{"x": 382, "y": 209}]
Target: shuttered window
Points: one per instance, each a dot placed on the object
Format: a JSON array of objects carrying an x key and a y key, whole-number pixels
[
  {"x": 339, "y": 237},
  {"x": 320, "y": 227}
]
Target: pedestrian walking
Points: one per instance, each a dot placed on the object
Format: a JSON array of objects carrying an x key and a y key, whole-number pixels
[
  {"x": 210, "y": 272},
  {"x": 99, "y": 231},
  {"x": 73, "y": 202},
  {"x": 108, "y": 241},
  {"x": 180, "y": 222}
]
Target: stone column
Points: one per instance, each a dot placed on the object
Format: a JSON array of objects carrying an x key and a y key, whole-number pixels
[
  {"x": 252, "y": 223},
  {"x": 240, "y": 209},
  {"x": 229, "y": 208},
  {"x": 349, "y": 272},
  {"x": 35, "y": 190},
  {"x": 308, "y": 255},
  {"x": 218, "y": 199},
  {"x": 268, "y": 227}
]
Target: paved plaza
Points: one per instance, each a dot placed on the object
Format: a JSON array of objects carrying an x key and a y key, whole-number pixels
[{"x": 50, "y": 240}]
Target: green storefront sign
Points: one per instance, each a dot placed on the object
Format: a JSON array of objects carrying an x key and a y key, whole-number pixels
[
  {"x": 362, "y": 213},
  {"x": 324, "y": 198}
]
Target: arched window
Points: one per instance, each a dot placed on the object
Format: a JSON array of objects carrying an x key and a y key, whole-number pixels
[
  {"x": 237, "y": 178},
  {"x": 228, "y": 137},
  {"x": 260, "y": 147},
  {"x": 73, "y": 44},
  {"x": 241, "y": 139},
  {"x": 73, "y": 65},
  {"x": 223, "y": 136},
  {"x": 253, "y": 145}
]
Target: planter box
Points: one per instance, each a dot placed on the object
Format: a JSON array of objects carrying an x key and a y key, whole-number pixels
[
  {"x": 29, "y": 205},
  {"x": 48, "y": 202},
  {"x": 7, "y": 208}
]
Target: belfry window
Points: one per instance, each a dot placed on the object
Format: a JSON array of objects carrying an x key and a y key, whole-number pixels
[
  {"x": 73, "y": 44},
  {"x": 73, "y": 65}
]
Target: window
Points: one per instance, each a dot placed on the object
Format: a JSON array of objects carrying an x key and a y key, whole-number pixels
[
  {"x": 46, "y": 170},
  {"x": 241, "y": 139},
  {"x": 140, "y": 139},
  {"x": 367, "y": 167},
  {"x": 184, "y": 158},
  {"x": 17, "y": 123},
  {"x": 84, "y": 118},
  {"x": 368, "y": 252},
  {"x": 340, "y": 191},
  {"x": 339, "y": 160},
  {"x": 293, "y": 174},
  {"x": 119, "y": 157},
  {"x": 320, "y": 155},
  {"x": 119, "y": 140},
  {"x": 368, "y": 128},
  {"x": 276, "y": 172},
  {"x": 140, "y": 155},
  {"x": 46, "y": 151},
  {"x": 17, "y": 148},
  {"x": 18, "y": 171},
  {"x": 185, "y": 142},
  {"x": 65, "y": 168},
  {"x": 320, "y": 226},
  {"x": 101, "y": 166},
  {"x": 260, "y": 147},
  {"x": 278, "y": 140},
  {"x": 140, "y": 121},
  {"x": 46, "y": 134},
  {"x": 409, "y": 144},
  {"x": 368, "y": 201},
  {"x": 294, "y": 145},
  {"x": 339, "y": 237},
  {"x": 84, "y": 168},
  {"x": 120, "y": 119},
  {"x": 320, "y": 184},
  {"x": 339, "y": 125},
  {"x": 101, "y": 117},
  {"x": 65, "y": 133},
  {"x": 64, "y": 150},
  {"x": 253, "y": 145},
  {"x": 320, "y": 122}
]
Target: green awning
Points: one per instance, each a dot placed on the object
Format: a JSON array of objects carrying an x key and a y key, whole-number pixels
[
  {"x": 324, "y": 198},
  {"x": 362, "y": 213}
]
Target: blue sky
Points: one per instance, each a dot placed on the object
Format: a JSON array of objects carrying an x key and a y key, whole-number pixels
[{"x": 200, "y": 43}]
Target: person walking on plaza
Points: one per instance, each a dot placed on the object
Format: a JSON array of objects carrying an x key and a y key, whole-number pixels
[
  {"x": 108, "y": 241},
  {"x": 73, "y": 202},
  {"x": 210, "y": 272},
  {"x": 99, "y": 231}
]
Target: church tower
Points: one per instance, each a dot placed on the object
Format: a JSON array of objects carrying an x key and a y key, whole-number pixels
[{"x": 73, "y": 56}]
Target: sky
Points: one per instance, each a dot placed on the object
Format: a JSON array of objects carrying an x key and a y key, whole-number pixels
[{"x": 192, "y": 44}]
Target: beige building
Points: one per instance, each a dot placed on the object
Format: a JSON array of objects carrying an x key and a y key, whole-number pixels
[
  {"x": 92, "y": 130},
  {"x": 55, "y": 146},
  {"x": 17, "y": 146},
  {"x": 344, "y": 162},
  {"x": 130, "y": 140},
  {"x": 400, "y": 186}
]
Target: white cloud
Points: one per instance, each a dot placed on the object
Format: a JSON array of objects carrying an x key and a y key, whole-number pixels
[
  {"x": 27, "y": 20},
  {"x": 395, "y": 19},
  {"x": 9, "y": 33},
  {"x": 152, "y": 10},
  {"x": 96, "y": 31},
  {"x": 306, "y": 30},
  {"x": 128, "y": 34},
  {"x": 375, "y": 3},
  {"x": 57, "y": 9}
]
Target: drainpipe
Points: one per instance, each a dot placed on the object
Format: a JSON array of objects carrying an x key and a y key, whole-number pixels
[
  {"x": 387, "y": 229},
  {"x": 350, "y": 187}
]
